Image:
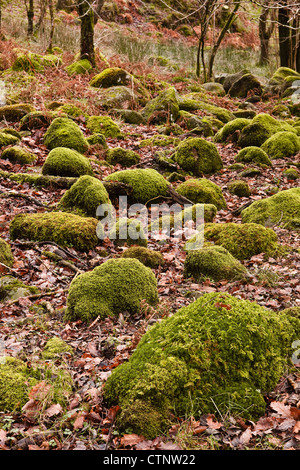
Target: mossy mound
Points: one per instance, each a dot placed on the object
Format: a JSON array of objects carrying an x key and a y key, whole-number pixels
[
  {"x": 115, "y": 286},
  {"x": 104, "y": 125},
  {"x": 12, "y": 289},
  {"x": 56, "y": 348},
  {"x": 202, "y": 191},
  {"x": 159, "y": 141},
  {"x": 15, "y": 112},
  {"x": 112, "y": 76},
  {"x": 253, "y": 154},
  {"x": 147, "y": 184},
  {"x": 6, "y": 256},
  {"x": 239, "y": 188},
  {"x": 66, "y": 162},
  {"x": 97, "y": 139},
  {"x": 151, "y": 259},
  {"x": 219, "y": 351},
  {"x": 214, "y": 262},
  {"x": 291, "y": 174},
  {"x": 8, "y": 139},
  {"x": 128, "y": 232},
  {"x": 31, "y": 62},
  {"x": 17, "y": 154},
  {"x": 80, "y": 67},
  {"x": 199, "y": 124},
  {"x": 64, "y": 132},
  {"x": 163, "y": 108},
  {"x": 123, "y": 157},
  {"x": 63, "y": 228},
  {"x": 242, "y": 240},
  {"x": 281, "y": 145},
  {"x": 85, "y": 195},
  {"x": 37, "y": 120},
  {"x": 194, "y": 102},
  {"x": 231, "y": 130},
  {"x": 282, "y": 207},
  {"x": 198, "y": 156},
  {"x": 117, "y": 96}
]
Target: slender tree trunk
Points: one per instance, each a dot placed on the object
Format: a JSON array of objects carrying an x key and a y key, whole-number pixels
[
  {"x": 97, "y": 10},
  {"x": 51, "y": 12},
  {"x": 86, "y": 14},
  {"x": 284, "y": 35},
  {"x": 30, "y": 16},
  {"x": 265, "y": 33}
]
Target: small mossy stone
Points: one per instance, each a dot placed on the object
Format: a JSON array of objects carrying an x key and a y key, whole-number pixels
[
  {"x": 15, "y": 112},
  {"x": 6, "y": 256},
  {"x": 63, "y": 132},
  {"x": 202, "y": 191},
  {"x": 116, "y": 286},
  {"x": 128, "y": 232},
  {"x": 8, "y": 139},
  {"x": 80, "y": 67},
  {"x": 104, "y": 125},
  {"x": 56, "y": 348},
  {"x": 253, "y": 154},
  {"x": 12, "y": 289},
  {"x": 163, "y": 108},
  {"x": 151, "y": 259},
  {"x": 113, "y": 76},
  {"x": 123, "y": 157},
  {"x": 231, "y": 130},
  {"x": 198, "y": 156},
  {"x": 281, "y": 145},
  {"x": 239, "y": 188},
  {"x": 66, "y": 162},
  {"x": 291, "y": 174},
  {"x": 97, "y": 139},
  {"x": 17, "y": 154}
]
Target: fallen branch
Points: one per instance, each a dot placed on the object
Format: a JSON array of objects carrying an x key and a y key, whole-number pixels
[{"x": 31, "y": 199}]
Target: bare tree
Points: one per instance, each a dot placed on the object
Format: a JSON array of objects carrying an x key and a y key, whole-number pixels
[
  {"x": 86, "y": 13},
  {"x": 266, "y": 29}
]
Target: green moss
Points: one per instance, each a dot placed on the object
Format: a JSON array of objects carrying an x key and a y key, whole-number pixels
[
  {"x": 31, "y": 62},
  {"x": 281, "y": 145},
  {"x": 15, "y": 112},
  {"x": 291, "y": 174},
  {"x": 198, "y": 156},
  {"x": 97, "y": 139},
  {"x": 219, "y": 351},
  {"x": 117, "y": 97},
  {"x": 6, "y": 256},
  {"x": 19, "y": 155},
  {"x": 11, "y": 131},
  {"x": 159, "y": 141},
  {"x": 147, "y": 184},
  {"x": 242, "y": 240},
  {"x": 12, "y": 289},
  {"x": 104, "y": 125},
  {"x": 7, "y": 139},
  {"x": 253, "y": 154},
  {"x": 163, "y": 108},
  {"x": 65, "y": 229},
  {"x": 191, "y": 122},
  {"x": 66, "y": 162},
  {"x": 194, "y": 102},
  {"x": 202, "y": 191},
  {"x": 80, "y": 67},
  {"x": 281, "y": 208},
  {"x": 230, "y": 129},
  {"x": 239, "y": 188},
  {"x": 37, "y": 120},
  {"x": 111, "y": 288},
  {"x": 112, "y": 76},
  {"x": 55, "y": 348},
  {"x": 64, "y": 132},
  {"x": 282, "y": 73},
  {"x": 151, "y": 259},
  {"x": 129, "y": 232},
  {"x": 123, "y": 157},
  {"x": 214, "y": 262},
  {"x": 86, "y": 195},
  {"x": 71, "y": 111}
]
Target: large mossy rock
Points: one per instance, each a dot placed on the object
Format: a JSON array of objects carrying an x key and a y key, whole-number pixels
[
  {"x": 253, "y": 154},
  {"x": 63, "y": 132},
  {"x": 112, "y": 76},
  {"x": 196, "y": 101},
  {"x": 146, "y": 184},
  {"x": 116, "y": 286},
  {"x": 118, "y": 97},
  {"x": 63, "y": 228},
  {"x": 231, "y": 130},
  {"x": 219, "y": 351},
  {"x": 103, "y": 125},
  {"x": 198, "y": 156},
  {"x": 245, "y": 84},
  {"x": 18, "y": 154},
  {"x": 6, "y": 256},
  {"x": 15, "y": 112},
  {"x": 66, "y": 162},
  {"x": 163, "y": 108},
  {"x": 283, "y": 207},
  {"x": 214, "y": 262},
  {"x": 281, "y": 145},
  {"x": 202, "y": 191},
  {"x": 35, "y": 63},
  {"x": 85, "y": 196}
]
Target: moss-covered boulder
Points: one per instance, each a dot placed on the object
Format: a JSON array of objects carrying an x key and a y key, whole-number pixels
[
  {"x": 63, "y": 228},
  {"x": 6, "y": 256},
  {"x": 104, "y": 125},
  {"x": 8, "y": 139},
  {"x": 98, "y": 140},
  {"x": 202, "y": 191},
  {"x": 79, "y": 67},
  {"x": 31, "y": 62},
  {"x": 194, "y": 102},
  {"x": 239, "y": 188},
  {"x": 291, "y": 174},
  {"x": 116, "y": 286},
  {"x": 66, "y": 162},
  {"x": 253, "y": 154},
  {"x": 219, "y": 351},
  {"x": 56, "y": 348},
  {"x": 15, "y": 112},
  {"x": 282, "y": 207},
  {"x": 198, "y": 124},
  {"x": 147, "y": 184},
  {"x": 37, "y": 120},
  {"x": 12, "y": 289},
  {"x": 123, "y": 157},
  {"x": 214, "y": 88},
  {"x": 112, "y": 76},
  {"x": 231, "y": 130},
  {"x": 198, "y": 156},
  {"x": 214, "y": 262},
  {"x": 151, "y": 259},
  {"x": 163, "y": 108},
  {"x": 128, "y": 232},
  {"x": 245, "y": 84},
  {"x": 17, "y": 154},
  {"x": 281, "y": 145},
  {"x": 85, "y": 195},
  {"x": 64, "y": 132},
  {"x": 118, "y": 96}
]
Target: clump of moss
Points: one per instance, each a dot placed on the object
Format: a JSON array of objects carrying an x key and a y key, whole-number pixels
[
  {"x": 198, "y": 156},
  {"x": 214, "y": 262},
  {"x": 72, "y": 111},
  {"x": 17, "y": 154},
  {"x": 180, "y": 365},
  {"x": 229, "y": 130},
  {"x": 253, "y": 154},
  {"x": 64, "y": 228},
  {"x": 55, "y": 348},
  {"x": 15, "y": 112},
  {"x": 80, "y": 67},
  {"x": 159, "y": 141},
  {"x": 242, "y": 240},
  {"x": 112, "y": 76},
  {"x": 86, "y": 195},
  {"x": 291, "y": 174},
  {"x": 147, "y": 184},
  {"x": 111, "y": 288},
  {"x": 64, "y": 132},
  {"x": 104, "y": 125},
  {"x": 151, "y": 259},
  {"x": 281, "y": 208},
  {"x": 123, "y": 157},
  {"x": 37, "y": 120},
  {"x": 66, "y": 162},
  {"x": 31, "y": 62},
  {"x": 196, "y": 123},
  {"x": 12, "y": 289},
  {"x": 6, "y": 256},
  {"x": 194, "y": 102},
  {"x": 129, "y": 232},
  {"x": 163, "y": 108},
  {"x": 281, "y": 145},
  {"x": 239, "y": 188},
  {"x": 202, "y": 191},
  {"x": 7, "y": 139},
  {"x": 97, "y": 139}
]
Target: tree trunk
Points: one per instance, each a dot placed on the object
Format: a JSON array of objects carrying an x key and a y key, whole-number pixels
[
  {"x": 51, "y": 12},
  {"x": 97, "y": 10},
  {"x": 86, "y": 14},
  {"x": 284, "y": 35},
  {"x": 30, "y": 16},
  {"x": 265, "y": 34}
]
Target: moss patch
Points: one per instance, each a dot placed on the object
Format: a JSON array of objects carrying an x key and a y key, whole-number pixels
[
  {"x": 6, "y": 256},
  {"x": 163, "y": 108},
  {"x": 12, "y": 289},
  {"x": 66, "y": 162},
  {"x": 239, "y": 188},
  {"x": 129, "y": 232},
  {"x": 281, "y": 145},
  {"x": 123, "y": 157},
  {"x": 104, "y": 125},
  {"x": 112, "y": 76},
  {"x": 198, "y": 156},
  {"x": 202, "y": 191},
  {"x": 230, "y": 129},
  {"x": 56, "y": 348},
  {"x": 15, "y": 112},
  {"x": 16, "y": 154},
  {"x": 151, "y": 259},
  {"x": 253, "y": 154},
  {"x": 80, "y": 67},
  {"x": 64, "y": 132}
]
